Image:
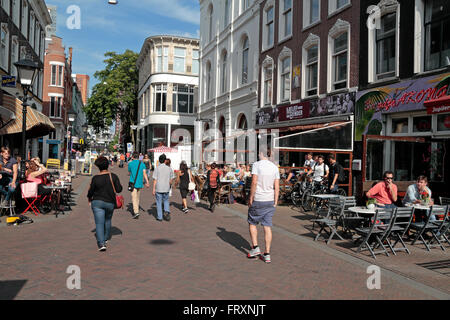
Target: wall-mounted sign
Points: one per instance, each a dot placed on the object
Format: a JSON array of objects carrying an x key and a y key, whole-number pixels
[
  {"x": 294, "y": 112},
  {"x": 296, "y": 72},
  {"x": 399, "y": 97},
  {"x": 53, "y": 141},
  {"x": 9, "y": 81}
]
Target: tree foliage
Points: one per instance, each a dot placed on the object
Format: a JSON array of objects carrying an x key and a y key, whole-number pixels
[{"x": 115, "y": 93}]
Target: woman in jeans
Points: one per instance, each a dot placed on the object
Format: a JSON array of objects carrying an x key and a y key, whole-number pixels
[
  {"x": 102, "y": 200},
  {"x": 148, "y": 165}
]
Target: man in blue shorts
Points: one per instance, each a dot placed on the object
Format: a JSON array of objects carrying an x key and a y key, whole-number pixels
[{"x": 262, "y": 203}]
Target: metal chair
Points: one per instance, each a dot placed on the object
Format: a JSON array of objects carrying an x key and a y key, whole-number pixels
[
  {"x": 330, "y": 219},
  {"x": 398, "y": 227},
  {"x": 350, "y": 220},
  {"x": 444, "y": 201},
  {"x": 429, "y": 226},
  {"x": 444, "y": 226},
  {"x": 376, "y": 231}
]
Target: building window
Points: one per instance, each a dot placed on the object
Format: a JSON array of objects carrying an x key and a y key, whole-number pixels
[
  {"x": 340, "y": 61},
  {"x": 208, "y": 82},
  {"x": 226, "y": 14},
  {"x": 53, "y": 81},
  {"x": 14, "y": 55},
  {"x": 335, "y": 5},
  {"x": 60, "y": 76},
  {"x": 245, "y": 51},
  {"x": 437, "y": 37},
  {"x": 386, "y": 47},
  {"x": 312, "y": 70},
  {"x": 55, "y": 107},
  {"x": 4, "y": 46},
  {"x": 195, "y": 61},
  {"x": 31, "y": 32},
  {"x": 268, "y": 74},
  {"x": 286, "y": 19},
  {"x": 311, "y": 12},
  {"x": 25, "y": 18},
  {"x": 244, "y": 5},
  {"x": 16, "y": 12},
  {"x": 179, "y": 60},
  {"x": 37, "y": 38},
  {"x": 223, "y": 85},
  {"x": 183, "y": 98},
  {"x": 285, "y": 80},
  {"x": 269, "y": 26},
  {"x": 211, "y": 21},
  {"x": 160, "y": 98},
  {"x": 162, "y": 59}
]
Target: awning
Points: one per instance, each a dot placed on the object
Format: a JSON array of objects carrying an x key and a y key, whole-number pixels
[
  {"x": 38, "y": 125},
  {"x": 163, "y": 149},
  {"x": 310, "y": 126}
]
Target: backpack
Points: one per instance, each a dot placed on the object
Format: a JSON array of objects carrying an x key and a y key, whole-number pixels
[{"x": 340, "y": 170}]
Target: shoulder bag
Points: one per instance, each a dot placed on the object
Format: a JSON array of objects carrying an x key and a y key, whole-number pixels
[
  {"x": 131, "y": 184},
  {"x": 119, "y": 198},
  {"x": 192, "y": 185}
]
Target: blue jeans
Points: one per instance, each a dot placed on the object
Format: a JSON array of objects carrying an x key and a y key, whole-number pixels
[
  {"x": 160, "y": 198},
  {"x": 103, "y": 212},
  {"x": 7, "y": 190}
]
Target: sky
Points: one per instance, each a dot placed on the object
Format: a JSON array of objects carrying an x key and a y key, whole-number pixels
[{"x": 104, "y": 27}]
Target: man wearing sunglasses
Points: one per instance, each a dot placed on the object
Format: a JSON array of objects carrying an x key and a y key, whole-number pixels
[{"x": 385, "y": 192}]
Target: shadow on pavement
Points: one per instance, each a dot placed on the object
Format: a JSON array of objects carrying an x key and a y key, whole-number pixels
[
  {"x": 162, "y": 242},
  {"x": 235, "y": 239},
  {"x": 10, "y": 289}
]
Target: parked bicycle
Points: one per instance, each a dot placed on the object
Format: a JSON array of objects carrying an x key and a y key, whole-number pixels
[{"x": 310, "y": 203}]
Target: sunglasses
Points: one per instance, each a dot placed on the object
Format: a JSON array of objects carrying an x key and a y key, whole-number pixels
[{"x": 387, "y": 178}]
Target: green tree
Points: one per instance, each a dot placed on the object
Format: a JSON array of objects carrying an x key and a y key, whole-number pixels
[{"x": 115, "y": 93}]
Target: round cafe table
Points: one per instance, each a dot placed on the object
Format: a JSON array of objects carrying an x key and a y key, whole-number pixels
[{"x": 363, "y": 211}]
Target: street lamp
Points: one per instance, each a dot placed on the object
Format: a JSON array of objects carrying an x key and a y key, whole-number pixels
[
  {"x": 72, "y": 116},
  {"x": 27, "y": 71}
]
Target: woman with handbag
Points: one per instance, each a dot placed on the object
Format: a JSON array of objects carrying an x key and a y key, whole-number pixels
[
  {"x": 186, "y": 183},
  {"x": 103, "y": 200}
]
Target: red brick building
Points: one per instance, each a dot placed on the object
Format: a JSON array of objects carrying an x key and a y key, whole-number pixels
[
  {"x": 83, "y": 84},
  {"x": 57, "y": 96},
  {"x": 309, "y": 57}
]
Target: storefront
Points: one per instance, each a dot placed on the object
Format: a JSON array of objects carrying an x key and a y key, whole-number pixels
[
  {"x": 322, "y": 127},
  {"x": 399, "y": 133}
]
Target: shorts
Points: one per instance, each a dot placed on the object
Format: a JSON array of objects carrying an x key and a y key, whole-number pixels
[
  {"x": 261, "y": 212},
  {"x": 184, "y": 193}
]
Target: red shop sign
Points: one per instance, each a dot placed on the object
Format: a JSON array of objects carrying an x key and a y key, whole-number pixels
[{"x": 293, "y": 112}]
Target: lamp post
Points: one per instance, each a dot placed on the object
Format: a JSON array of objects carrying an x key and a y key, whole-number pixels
[
  {"x": 72, "y": 116},
  {"x": 27, "y": 71}
]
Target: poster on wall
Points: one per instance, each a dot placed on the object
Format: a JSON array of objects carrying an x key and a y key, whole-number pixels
[
  {"x": 334, "y": 105},
  {"x": 296, "y": 72},
  {"x": 400, "y": 97}
]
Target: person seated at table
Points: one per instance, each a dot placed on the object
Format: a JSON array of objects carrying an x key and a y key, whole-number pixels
[
  {"x": 385, "y": 192},
  {"x": 419, "y": 193},
  {"x": 34, "y": 173}
]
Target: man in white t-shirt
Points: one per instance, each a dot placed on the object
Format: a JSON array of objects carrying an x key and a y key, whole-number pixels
[
  {"x": 262, "y": 203},
  {"x": 320, "y": 170}
]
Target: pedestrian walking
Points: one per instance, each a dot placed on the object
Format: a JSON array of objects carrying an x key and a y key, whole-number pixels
[
  {"x": 137, "y": 176},
  {"x": 121, "y": 160},
  {"x": 262, "y": 203},
  {"x": 163, "y": 177},
  {"x": 102, "y": 199},
  {"x": 213, "y": 183},
  {"x": 9, "y": 170},
  {"x": 148, "y": 165},
  {"x": 184, "y": 177}
]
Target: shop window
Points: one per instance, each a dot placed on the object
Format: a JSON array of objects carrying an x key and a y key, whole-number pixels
[
  {"x": 374, "y": 160},
  {"x": 183, "y": 99},
  {"x": 422, "y": 124},
  {"x": 159, "y": 135},
  {"x": 400, "y": 125},
  {"x": 437, "y": 37},
  {"x": 443, "y": 122}
]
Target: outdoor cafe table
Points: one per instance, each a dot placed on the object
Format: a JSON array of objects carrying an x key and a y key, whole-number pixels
[
  {"x": 325, "y": 196},
  {"x": 363, "y": 211},
  {"x": 57, "y": 190}
]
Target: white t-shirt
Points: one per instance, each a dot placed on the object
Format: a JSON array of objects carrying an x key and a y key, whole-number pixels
[
  {"x": 267, "y": 173},
  {"x": 319, "y": 171},
  {"x": 309, "y": 163}
]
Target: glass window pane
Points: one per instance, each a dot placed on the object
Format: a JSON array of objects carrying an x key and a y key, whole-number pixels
[
  {"x": 341, "y": 42},
  {"x": 178, "y": 65},
  {"x": 422, "y": 124},
  {"x": 183, "y": 100},
  {"x": 400, "y": 125},
  {"x": 443, "y": 122}
]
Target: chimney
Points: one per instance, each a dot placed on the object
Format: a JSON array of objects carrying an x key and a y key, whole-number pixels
[{"x": 70, "y": 56}]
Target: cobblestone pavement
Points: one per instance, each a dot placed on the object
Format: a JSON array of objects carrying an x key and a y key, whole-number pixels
[{"x": 199, "y": 255}]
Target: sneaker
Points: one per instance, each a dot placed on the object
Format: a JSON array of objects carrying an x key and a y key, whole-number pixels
[
  {"x": 265, "y": 258},
  {"x": 166, "y": 216},
  {"x": 136, "y": 216},
  {"x": 254, "y": 253},
  {"x": 159, "y": 220},
  {"x": 185, "y": 210},
  {"x": 102, "y": 248}
]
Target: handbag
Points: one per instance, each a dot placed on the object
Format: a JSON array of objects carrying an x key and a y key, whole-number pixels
[
  {"x": 191, "y": 186},
  {"x": 131, "y": 184},
  {"x": 119, "y": 198}
]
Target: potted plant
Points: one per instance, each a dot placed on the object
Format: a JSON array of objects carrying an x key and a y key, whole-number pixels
[
  {"x": 370, "y": 204},
  {"x": 425, "y": 197}
]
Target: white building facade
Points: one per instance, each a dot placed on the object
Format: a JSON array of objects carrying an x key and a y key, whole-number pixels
[
  {"x": 229, "y": 45},
  {"x": 168, "y": 76}
]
